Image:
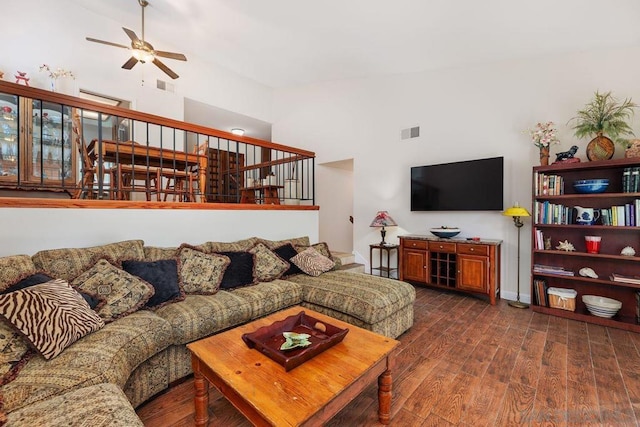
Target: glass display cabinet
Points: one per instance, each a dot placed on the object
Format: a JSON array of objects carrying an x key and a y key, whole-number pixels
[{"x": 36, "y": 144}]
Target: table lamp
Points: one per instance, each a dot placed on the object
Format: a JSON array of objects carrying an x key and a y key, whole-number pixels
[
  {"x": 383, "y": 219},
  {"x": 517, "y": 212}
]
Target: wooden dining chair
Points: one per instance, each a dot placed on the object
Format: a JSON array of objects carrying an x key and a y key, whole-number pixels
[
  {"x": 181, "y": 184},
  {"x": 127, "y": 179},
  {"x": 88, "y": 166}
]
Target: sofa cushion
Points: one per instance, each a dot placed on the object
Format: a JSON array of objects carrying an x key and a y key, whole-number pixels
[
  {"x": 68, "y": 263},
  {"x": 268, "y": 297},
  {"x": 365, "y": 297},
  {"x": 286, "y": 252},
  {"x": 101, "y": 405},
  {"x": 14, "y": 353},
  {"x": 94, "y": 301},
  {"x": 239, "y": 245},
  {"x": 108, "y": 355},
  {"x": 124, "y": 293},
  {"x": 312, "y": 262},
  {"x": 201, "y": 273},
  {"x": 155, "y": 253},
  {"x": 241, "y": 270},
  {"x": 269, "y": 266},
  {"x": 50, "y": 316},
  {"x": 162, "y": 275},
  {"x": 295, "y": 241},
  {"x": 15, "y": 268},
  {"x": 199, "y": 316}
]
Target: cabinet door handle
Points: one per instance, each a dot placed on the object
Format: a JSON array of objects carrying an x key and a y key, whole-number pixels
[{"x": 471, "y": 249}]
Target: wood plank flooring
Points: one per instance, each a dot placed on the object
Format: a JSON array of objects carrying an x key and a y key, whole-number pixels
[{"x": 467, "y": 363}]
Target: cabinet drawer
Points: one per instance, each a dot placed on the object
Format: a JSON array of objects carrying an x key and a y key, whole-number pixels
[
  {"x": 415, "y": 244},
  {"x": 442, "y": 247},
  {"x": 464, "y": 248}
]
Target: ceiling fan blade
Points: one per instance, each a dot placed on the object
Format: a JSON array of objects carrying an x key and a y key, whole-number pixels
[
  {"x": 131, "y": 35},
  {"x": 107, "y": 43},
  {"x": 164, "y": 68},
  {"x": 130, "y": 63},
  {"x": 171, "y": 55}
]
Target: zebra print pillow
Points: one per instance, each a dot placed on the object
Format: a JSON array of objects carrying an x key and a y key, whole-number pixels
[
  {"x": 51, "y": 316},
  {"x": 312, "y": 262}
]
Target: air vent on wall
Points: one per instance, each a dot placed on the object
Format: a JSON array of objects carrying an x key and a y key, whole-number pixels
[
  {"x": 409, "y": 133},
  {"x": 162, "y": 85}
]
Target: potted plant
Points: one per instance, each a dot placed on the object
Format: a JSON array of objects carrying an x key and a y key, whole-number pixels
[{"x": 604, "y": 118}]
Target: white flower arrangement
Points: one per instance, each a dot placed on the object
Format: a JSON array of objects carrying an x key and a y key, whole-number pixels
[
  {"x": 544, "y": 135},
  {"x": 57, "y": 73}
]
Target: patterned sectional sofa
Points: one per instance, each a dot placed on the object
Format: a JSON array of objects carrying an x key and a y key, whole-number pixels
[{"x": 109, "y": 372}]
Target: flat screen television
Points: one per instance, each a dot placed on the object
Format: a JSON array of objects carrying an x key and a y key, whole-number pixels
[{"x": 474, "y": 185}]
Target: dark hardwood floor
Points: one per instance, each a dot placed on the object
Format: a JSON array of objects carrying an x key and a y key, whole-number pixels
[{"x": 467, "y": 363}]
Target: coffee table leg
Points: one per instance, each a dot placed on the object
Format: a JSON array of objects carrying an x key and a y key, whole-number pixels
[
  {"x": 201, "y": 399},
  {"x": 384, "y": 397}
]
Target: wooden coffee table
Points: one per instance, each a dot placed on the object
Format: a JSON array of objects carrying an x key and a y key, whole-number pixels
[{"x": 308, "y": 395}]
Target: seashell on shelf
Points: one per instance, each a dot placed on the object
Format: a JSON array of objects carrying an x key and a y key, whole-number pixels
[
  {"x": 628, "y": 251},
  {"x": 565, "y": 246},
  {"x": 588, "y": 272}
]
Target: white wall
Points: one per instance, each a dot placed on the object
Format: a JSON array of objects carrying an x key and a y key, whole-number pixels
[
  {"x": 464, "y": 114},
  {"x": 34, "y": 229}
]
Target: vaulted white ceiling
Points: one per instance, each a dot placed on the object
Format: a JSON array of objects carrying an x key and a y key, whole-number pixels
[{"x": 284, "y": 43}]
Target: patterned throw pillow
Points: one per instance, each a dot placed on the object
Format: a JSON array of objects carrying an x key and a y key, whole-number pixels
[
  {"x": 14, "y": 353},
  {"x": 51, "y": 316},
  {"x": 123, "y": 292},
  {"x": 239, "y": 245},
  {"x": 94, "y": 301},
  {"x": 269, "y": 266},
  {"x": 162, "y": 275},
  {"x": 201, "y": 273},
  {"x": 312, "y": 262},
  {"x": 286, "y": 252},
  {"x": 322, "y": 248}
]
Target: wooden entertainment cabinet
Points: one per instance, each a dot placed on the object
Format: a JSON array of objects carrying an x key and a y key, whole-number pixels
[
  {"x": 456, "y": 264},
  {"x": 562, "y": 198}
]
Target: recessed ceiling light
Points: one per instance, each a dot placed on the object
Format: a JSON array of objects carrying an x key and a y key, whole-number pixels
[{"x": 237, "y": 131}]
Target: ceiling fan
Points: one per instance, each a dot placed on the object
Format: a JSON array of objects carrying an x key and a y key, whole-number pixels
[{"x": 143, "y": 51}]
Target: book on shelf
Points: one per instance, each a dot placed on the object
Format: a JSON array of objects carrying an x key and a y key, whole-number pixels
[
  {"x": 539, "y": 239},
  {"x": 552, "y": 269},
  {"x": 540, "y": 289},
  {"x": 624, "y": 278},
  {"x": 548, "y": 185},
  {"x": 631, "y": 179}
]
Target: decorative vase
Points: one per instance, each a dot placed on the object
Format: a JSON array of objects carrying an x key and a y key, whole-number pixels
[
  {"x": 600, "y": 148},
  {"x": 633, "y": 150},
  {"x": 544, "y": 156}
]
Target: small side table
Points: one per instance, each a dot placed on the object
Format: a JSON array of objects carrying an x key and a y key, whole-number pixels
[{"x": 383, "y": 268}]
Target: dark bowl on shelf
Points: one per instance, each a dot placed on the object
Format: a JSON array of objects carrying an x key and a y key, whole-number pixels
[
  {"x": 590, "y": 186},
  {"x": 445, "y": 233}
]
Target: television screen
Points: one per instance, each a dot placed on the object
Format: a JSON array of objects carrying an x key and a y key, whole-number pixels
[{"x": 474, "y": 185}]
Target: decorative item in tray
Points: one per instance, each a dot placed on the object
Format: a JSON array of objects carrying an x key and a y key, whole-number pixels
[{"x": 292, "y": 341}]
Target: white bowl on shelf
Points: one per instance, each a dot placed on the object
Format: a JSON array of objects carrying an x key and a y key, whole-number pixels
[{"x": 601, "y": 306}]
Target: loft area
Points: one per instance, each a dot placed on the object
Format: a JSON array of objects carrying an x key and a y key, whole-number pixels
[{"x": 63, "y": 147}]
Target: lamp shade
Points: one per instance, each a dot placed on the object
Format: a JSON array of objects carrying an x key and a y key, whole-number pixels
[
  {"x": 516, "y": 211},
  {"x": 382, "y": 219}
]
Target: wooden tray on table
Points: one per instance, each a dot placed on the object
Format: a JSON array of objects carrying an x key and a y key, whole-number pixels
[{"x": 268, "y": 339}]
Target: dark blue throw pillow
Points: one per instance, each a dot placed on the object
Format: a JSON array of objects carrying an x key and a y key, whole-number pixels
[
  {"x": 241, "y": 270},
  {"x": 162, "y": 275},
  {"x": 286, "y": 252},
  {"x": 94, "y": 301}
]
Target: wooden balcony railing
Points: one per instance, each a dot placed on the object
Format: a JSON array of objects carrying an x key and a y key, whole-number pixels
[{"x": 74, "y": 148}]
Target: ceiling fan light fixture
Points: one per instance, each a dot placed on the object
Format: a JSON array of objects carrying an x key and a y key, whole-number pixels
[{"x": 143, "y": 55}]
